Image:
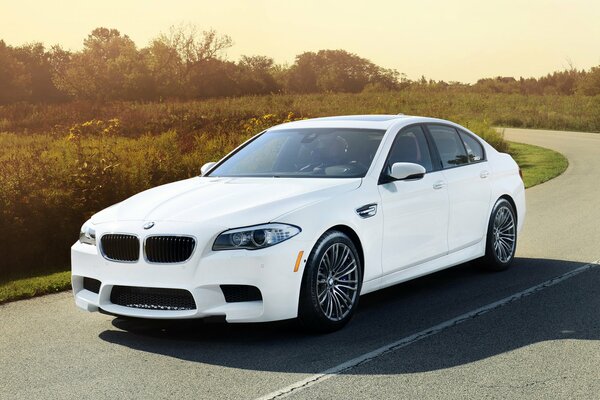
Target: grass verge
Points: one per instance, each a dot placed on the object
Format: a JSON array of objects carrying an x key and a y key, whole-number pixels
[
  {"x": 537, "y": 163},
  {"x": 35, "y": 286}
]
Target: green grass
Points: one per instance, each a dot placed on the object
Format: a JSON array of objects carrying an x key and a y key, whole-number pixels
[
  {"x": 36, "y": 286},
  {"x": 538, "y": 164}
]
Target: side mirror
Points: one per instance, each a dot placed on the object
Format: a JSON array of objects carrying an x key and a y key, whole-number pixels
[
  {"x": 206, "y": 167},
  {"x": 404, "y": 170}
]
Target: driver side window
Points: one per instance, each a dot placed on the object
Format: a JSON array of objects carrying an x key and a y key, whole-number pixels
[{"x": 411, "y": 146}]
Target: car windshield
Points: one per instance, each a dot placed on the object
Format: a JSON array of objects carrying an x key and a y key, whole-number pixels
[{"x": 308, "y": 152}]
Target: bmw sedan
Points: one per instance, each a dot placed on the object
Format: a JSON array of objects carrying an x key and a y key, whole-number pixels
[{"x": 301, "y": 220}]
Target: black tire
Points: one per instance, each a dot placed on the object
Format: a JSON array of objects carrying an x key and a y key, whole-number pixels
[
  {"x": 327, "y": 302},
  {"x": 501, "y": 238}
]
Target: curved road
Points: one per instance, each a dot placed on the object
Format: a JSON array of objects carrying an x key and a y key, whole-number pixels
[{"x": 509, "y": 341}]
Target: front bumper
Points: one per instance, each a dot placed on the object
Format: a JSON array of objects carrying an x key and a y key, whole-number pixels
[{"x": 271, "y": 270}]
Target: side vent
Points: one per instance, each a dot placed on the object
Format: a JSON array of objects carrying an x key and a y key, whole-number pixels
[{"x": 367, "y": 211}]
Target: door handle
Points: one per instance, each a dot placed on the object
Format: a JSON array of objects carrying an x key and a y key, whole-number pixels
[
  {"x": 484, "y": 174},
  {"x": 439, "y": 185}
]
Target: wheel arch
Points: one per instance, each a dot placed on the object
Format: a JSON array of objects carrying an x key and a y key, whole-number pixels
[
  {"x": 509, "y": 198},
  {"x": 348, "y": 231}
]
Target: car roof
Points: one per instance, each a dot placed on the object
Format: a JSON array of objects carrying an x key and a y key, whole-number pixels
[{"x": 375, "y": 121}]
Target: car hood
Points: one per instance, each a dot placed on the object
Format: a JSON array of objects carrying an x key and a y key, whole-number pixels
[{"x": 228, "y": 202}]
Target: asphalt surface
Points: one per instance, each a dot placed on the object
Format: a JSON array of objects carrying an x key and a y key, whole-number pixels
[{"x": 544, "y": 345}]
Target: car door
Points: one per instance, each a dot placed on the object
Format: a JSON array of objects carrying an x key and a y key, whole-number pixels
[
  {"x": 415, "y": 211},
  {"x": 466, "y": 173}
]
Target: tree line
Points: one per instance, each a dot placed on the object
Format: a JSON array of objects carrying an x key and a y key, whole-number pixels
[{"x": 186, "y": 63}]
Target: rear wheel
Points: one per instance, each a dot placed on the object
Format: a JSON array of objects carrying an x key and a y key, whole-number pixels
[
  {"x": 331, "y": 284},
  {"x": 501, "y": 237}
]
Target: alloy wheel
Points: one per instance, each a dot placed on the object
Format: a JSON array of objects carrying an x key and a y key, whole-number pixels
[
  {"x": 504, "y": 234},
  {"x": 337, "y": 281}
]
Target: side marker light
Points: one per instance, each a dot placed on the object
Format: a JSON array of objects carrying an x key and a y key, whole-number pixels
[{"x": 298, "y": 260}]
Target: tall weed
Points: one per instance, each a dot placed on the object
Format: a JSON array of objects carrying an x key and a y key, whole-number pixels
[{"x": 62, "y": 163}]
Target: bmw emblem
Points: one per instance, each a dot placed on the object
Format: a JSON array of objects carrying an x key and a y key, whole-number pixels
[{"x": 148, "y": 225}]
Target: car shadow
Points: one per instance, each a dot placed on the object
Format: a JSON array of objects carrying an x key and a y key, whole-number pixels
[{"x": 563, "y": 311}]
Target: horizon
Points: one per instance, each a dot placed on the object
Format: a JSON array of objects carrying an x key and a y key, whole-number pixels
[{"x": 530, "y": 44}]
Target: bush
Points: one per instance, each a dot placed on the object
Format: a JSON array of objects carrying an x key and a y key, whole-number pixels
[
  {"x": 50, "y": 186},
  {"x": 51, "y": 183}
]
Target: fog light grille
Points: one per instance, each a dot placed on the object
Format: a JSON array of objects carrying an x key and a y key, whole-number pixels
[
  {"x": 240, "y": 293},
  {"x": 91, "y": 284}
]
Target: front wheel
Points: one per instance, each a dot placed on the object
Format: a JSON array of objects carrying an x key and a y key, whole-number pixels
[
  {"x": 331, "y": 284},
  {"x": 501, "y": 237}
]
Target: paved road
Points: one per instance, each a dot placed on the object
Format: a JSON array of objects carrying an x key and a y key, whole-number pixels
[{"x": 544, "y": 345}]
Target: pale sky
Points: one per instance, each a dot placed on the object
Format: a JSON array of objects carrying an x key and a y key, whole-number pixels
[{"x": 460, "y": 40}]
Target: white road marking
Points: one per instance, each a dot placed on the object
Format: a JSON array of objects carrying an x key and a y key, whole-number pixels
[{"x": 408, "y": 340}]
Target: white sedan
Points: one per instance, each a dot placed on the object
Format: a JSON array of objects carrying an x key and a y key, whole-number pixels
[{"x": 302, "y": 219}]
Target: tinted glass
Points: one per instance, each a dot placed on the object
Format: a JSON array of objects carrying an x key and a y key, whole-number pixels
[
  {"x": 449, "y": 145},
  {"x": 410, "y": 145},
  {"x": 474, "y": 148},
  {"x": 320, "y": 152}
]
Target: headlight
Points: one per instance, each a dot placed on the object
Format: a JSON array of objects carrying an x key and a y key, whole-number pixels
[
  {"x": 255, "y": 237},
  {"x": 87, "y": 234}
]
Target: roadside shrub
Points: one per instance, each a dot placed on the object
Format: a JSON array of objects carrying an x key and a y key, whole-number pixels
[
  {"x": 49, "y": 186},
  {"x": 224, "y": 115},
  {"x": 50, "y": 183}
]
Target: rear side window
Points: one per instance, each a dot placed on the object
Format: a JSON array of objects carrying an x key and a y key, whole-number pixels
[
  {"x": 450, "y": 146},
  {"x": 474, "y": 148},
  {"x": 411, "y": 146}
]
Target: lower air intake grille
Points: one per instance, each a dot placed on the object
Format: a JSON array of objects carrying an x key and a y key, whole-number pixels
[
  {"x": 240, "y": 293},
  {"x": 119, "y": 247},
  {"x": 152, "y": 298},
  {"x": 169, "y": 249},
  {"x": 93, "y": 285}
]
